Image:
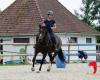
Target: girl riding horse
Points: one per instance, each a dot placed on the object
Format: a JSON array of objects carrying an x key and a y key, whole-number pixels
[{"x": 44, "y": 43}]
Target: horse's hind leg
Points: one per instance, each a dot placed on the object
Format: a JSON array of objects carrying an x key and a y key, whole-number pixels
[
  {"x": 55, "y": 53},
  {"x": 50, "y": 57},
  {"x": 34, "y": 58},
  {"x": 44, "y": 55}
]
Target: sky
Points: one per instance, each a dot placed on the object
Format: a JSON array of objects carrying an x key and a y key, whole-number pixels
[{"x": 71, "y": 5}]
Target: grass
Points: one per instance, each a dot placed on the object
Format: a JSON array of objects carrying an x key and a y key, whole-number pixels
[{"x": 13, "y": 64}]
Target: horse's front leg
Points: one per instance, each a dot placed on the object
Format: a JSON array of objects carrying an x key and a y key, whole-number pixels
[
  {"x": 34, "y": 58},
  {"x": 50, "y": 57},
  {"x": 44, "y": 56}
]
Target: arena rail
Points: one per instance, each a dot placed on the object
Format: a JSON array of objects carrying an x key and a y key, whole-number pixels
[{"x": 28, "y": 44}]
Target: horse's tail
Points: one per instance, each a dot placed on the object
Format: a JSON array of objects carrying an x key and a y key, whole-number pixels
[{"x": 60, "y": 55}]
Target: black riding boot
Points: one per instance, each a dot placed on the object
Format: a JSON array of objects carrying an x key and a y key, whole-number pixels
[
  {"x": 52, "y": 37},
  {"x": 54, "y": 43}
]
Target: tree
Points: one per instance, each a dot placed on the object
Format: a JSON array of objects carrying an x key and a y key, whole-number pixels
[
  {"x": 98, "y": 37},
  {"x": 0, "y": 10},
  {"x": 90, "y": 12}
]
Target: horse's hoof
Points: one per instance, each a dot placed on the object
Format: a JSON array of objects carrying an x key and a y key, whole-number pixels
[
  {"x": 37, "y": 71},
  {"x": 32, "y": 69},
  {"x": 48, "y": 70}
]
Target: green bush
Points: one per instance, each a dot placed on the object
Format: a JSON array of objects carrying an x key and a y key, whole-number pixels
[{"x": 22, "y": 58}]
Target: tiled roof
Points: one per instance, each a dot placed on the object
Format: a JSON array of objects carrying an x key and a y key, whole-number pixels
[{"x": 24, "y": 16}]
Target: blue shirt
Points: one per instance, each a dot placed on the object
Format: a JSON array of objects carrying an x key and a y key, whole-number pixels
[{"x": 49, "y": 24}]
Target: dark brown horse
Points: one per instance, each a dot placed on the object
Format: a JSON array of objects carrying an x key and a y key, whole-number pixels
[{"x": 45, "y": 46}]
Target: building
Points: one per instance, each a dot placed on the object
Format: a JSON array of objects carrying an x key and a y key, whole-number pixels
[{"x": 19, "y": 24}]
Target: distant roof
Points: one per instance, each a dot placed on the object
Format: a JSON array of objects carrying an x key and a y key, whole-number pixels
[{"x": 24, "y": 16}]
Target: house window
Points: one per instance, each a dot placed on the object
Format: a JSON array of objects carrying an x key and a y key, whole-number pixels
[
  {"x": 73, "y": 39},
  {"x": 21, "y": 40},
  {"x": 88, "y": 40}
]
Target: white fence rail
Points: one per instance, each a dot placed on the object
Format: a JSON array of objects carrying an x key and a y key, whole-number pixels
[{"x": 28, "y": 44}]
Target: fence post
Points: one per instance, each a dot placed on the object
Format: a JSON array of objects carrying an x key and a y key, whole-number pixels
[
  {"x": 68, "y": 53},
  {"x": 26, "y": 53}
]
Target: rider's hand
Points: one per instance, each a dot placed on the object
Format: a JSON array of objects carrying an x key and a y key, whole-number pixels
[{"x": 54, "y": 27}]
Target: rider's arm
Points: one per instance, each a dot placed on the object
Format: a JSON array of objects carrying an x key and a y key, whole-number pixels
[{"x": 54, "y": 26}]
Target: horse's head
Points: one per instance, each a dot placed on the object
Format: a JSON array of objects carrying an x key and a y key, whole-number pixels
[
  {"x": 43, "y": 29},
  {"x": 42, "y": 33}
]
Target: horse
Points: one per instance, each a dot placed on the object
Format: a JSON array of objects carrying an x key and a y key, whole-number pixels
[
  {"x": 45, "y": 46},
  {"x": 81, "y": 55}
]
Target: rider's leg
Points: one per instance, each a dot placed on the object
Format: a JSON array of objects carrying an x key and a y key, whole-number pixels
[{"x": 53, "y": 39}]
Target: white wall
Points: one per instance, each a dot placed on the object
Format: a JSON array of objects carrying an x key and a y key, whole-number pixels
[
  {"x": 16, "y": 48},
  {"x": 64, "y": 38},
  {"x": 89, "y": 48}
]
